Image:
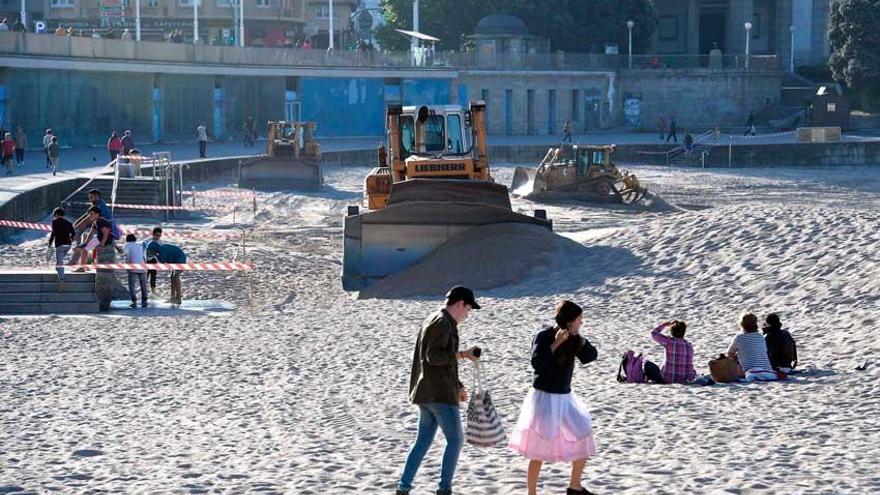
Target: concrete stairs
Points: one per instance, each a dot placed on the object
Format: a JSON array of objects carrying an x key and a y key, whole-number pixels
[
  {"x": 138, "y": 191},
  {"x": 40, "y": 293}
]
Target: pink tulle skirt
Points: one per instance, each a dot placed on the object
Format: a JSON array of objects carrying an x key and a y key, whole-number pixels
[{"x": 553, "y": 428}]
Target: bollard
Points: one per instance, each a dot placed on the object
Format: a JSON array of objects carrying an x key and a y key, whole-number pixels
[
  {"x": 104, "y": 278},
  {"x": 194, "y": 195},
  {"x": 255, "y": 200}
]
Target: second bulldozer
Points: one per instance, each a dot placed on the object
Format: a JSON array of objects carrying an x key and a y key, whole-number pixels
[
  {"x": 576, "y": 172},
  {"x": 292, "y": 160}
]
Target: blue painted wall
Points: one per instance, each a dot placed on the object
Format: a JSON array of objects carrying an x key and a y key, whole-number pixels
[
  {"x": 426, "y": 91},
  {"x": 344, "y": 107}
]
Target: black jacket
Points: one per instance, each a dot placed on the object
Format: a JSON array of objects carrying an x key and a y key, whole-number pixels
[
  {"x": 781, "y": 348},
  {"x": 63, "y": 232},
  {"x": 553, "y": 369}
]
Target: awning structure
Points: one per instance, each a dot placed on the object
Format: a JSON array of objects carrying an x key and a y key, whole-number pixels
[{"x": 417, "y": 35}]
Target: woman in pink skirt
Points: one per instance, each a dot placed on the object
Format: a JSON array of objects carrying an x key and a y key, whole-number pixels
[{"x": 554, "y": 426}]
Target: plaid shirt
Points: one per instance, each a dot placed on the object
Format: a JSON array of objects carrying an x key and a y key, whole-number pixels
[{"x": 679, "y": 366}]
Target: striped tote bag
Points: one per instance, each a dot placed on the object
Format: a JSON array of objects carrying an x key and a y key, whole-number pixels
[{"x": 484, "y": 428}]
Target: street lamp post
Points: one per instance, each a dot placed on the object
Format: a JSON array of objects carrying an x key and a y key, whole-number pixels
[
  {"x": 195, "y": 21},
  {"x": 137, "y": 20},
  {"x": 629, "y": 25},
  {"x": 331, "y": 25},
  {"x": 24, "y": 15},
  {"x": 748, "y": 26},
  {"x": 791, "y": 51},
  {"x": 241, "y": 23},
  {"x": 415, "y": 41}
]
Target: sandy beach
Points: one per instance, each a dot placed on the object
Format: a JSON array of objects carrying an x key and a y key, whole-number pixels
[{"x": 303, "y": 388}]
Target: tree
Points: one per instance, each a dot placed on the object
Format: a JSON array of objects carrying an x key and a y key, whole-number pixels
[
  {"x": 571, "y": 25},
  {"x": 855, "y": 48}
]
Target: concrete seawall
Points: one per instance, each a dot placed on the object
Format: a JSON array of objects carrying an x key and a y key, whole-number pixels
[{"x": 37, "y": 203}]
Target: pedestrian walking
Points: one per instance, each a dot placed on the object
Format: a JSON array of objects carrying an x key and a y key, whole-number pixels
[
  {"x": 126, "y": 35},
  {"x": 435, "y": 388},
  {"x": 554, "y": 425},
  {"x": 673, "y": 130},
  {"x": 127, "y": 143},
  {"x": 250, "y": 132},
  {"x": 134, "y": 253},
  {"x": 750, "y": 125},
  {"x": 54, "y": 153},
  {"x": 114, "y": 145},
  {"x": 20, "y": 145},
  {"x": 62, "y": 237},
  {"x": 18, "y": 26},
  {"x": 202, "y": 132},
  {"x": 661, "y": 126},
  {"x": 7, "y": 146},
  {"x": 566, "y": 132},
  {"x": 4, "y": 26},
  {"x": 47, "y": 140}
]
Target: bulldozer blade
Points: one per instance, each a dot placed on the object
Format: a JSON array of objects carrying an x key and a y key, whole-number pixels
[
  {"x": 523, "y": 181},
  {"x": 277, "y": 174},
  {"x": 383, "y": 242}
]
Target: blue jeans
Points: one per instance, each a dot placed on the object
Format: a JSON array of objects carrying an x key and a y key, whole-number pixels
[
  {"x": 60, "y": 253},
  {"x": 432, "y": 415}
]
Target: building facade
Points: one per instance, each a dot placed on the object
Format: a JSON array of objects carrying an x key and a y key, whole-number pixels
[
  {"x": 693, "y": 27},
  {"x": 267, "y": 22}
]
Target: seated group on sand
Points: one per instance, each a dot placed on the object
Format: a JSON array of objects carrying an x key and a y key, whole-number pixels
[{"x": 750, "y": 357}]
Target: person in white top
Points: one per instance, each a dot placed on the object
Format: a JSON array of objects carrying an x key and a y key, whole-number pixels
[
  {"x": 47, "y": 140},
  {"x": 202, "y": 132},
  {"x": 134, "y": 253},
  {"x": 750, "y": 351}
]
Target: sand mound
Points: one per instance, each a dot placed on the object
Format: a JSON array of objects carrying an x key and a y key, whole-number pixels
[
  {"x": 483, "y": 258},
  {"x": 656, "y": 204}
]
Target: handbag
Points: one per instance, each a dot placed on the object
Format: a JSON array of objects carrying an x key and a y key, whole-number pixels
[{"x": 484, "y": 428}]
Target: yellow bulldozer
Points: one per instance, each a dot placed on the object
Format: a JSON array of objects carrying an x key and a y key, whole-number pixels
[
  {"x": 432, "y": 184},
  {"x": 292, "y": 159},
  {"x": 585, "y": 173}
]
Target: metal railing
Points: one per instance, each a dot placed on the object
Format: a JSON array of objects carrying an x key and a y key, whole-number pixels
[{"x": 29, "y": 44}]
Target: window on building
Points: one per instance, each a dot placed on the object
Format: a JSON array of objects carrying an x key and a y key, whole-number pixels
[
  {"x": 575, "y": 105},
  {"x": 551, "y": 111},
  {"x": 830, "y": 107},
  {"x": 756, "y": 26},
  {"x": 61, "y": 3},
  {"x": 152, "y": 3},
  {"x": 322, "y": 12},
  {"x": 189, "y": 3},
  {"x": 226, "y": 3},
  {"x": 263, "y": 3}
]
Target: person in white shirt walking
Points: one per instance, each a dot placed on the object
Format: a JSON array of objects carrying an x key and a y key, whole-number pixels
[
  {"x": 134, "y": 253},
  {"x": 47, "y": 140},
  {"x": 202, "y": 131}
]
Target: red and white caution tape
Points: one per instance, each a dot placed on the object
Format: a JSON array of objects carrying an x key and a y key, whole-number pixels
[
  {"x": 26, "y": 225},
  {"x": 191, "y": 234},
  {"x": 223, "y": 266},
  {"x": 221, "y": 194}
]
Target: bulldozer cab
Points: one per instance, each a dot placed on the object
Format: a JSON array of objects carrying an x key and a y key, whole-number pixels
[
  {"x": 593, "y": 160},
  {"x": 444, "y": 130},
  {"x": 430, "y": 142}
]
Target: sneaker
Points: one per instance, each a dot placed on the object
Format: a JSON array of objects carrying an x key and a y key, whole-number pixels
[
  {"x": 400, "y": 492},
  {"x": 579, "y": 491},
  {"x": 133, "y": 305},
  {"x": 144, "y": 304}
]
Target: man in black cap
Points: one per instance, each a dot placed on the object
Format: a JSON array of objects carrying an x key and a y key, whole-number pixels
[{"x": 434, "y": 387}]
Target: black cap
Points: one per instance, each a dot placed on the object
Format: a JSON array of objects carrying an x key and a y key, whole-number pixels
[
  {"x": 95, "y": 191},
  {"x": 460, "y": 293}
]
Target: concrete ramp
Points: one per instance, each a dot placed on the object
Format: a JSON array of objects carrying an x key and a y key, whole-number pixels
[{"x": 39, "y": 293}]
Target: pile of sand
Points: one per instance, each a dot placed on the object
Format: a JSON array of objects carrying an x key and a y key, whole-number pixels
[{"x": 482, "y": 258}]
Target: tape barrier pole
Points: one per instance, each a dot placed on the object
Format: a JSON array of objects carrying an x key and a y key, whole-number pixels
[{"x": 89, "y": 181}]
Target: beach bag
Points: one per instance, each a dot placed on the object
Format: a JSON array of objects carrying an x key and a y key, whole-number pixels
[
  {"x": 632, "y": 368},
  {"x": 484, "y": 428},
  {"x": 724, "y": 369}
]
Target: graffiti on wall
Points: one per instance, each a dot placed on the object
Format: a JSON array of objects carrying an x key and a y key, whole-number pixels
[{"x": 632, "y": 109}]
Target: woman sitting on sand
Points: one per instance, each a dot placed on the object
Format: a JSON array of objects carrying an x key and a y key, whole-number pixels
[
  {"x": 554, "y": 426},
  {"x": 750, "y": 351}
]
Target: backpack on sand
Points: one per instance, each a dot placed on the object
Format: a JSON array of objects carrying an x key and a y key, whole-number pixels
[{"x": 632, "y": 368}]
